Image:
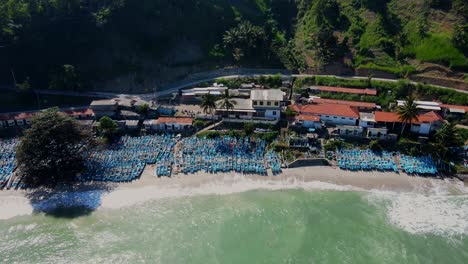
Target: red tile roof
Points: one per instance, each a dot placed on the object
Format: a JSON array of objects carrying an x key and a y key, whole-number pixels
[
  {"x": 175, "y": 120},
  {"x": 345, "y": 90},
  {"x": 326, "y": 109},
  {"x": 79, "y": 112},
  {"x": 342, "y": 102},
  {"x": 19, "y": 116},
  {"x": 390, "y": 117},
  {"x": 455, "y": 107},
  {"x": 312, "y": 118},
  {"x": 429, "y": 117}
]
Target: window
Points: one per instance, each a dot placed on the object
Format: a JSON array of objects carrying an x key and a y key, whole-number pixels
[
  {"x": 343, "y": 118},
  {"x": 274, "y": 113},
  {"x": 334, "y": 117},
  {"x": 327, "y": 116},
  {"x": 254, "y": 102},
  {"x": 261, "y": 102},
  {"x": 276, "y": 103},
  {"x": 268, "y": 103}
]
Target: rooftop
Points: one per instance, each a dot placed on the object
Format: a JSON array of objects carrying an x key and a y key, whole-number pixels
[
  {"x": 368, "y": 117},
  {"x": 425, "y": 105},
  {"x": 311, "y": 118},
  {"x": 175, "y": 120},
  {"x": 244, "y": 105},
  {"x": 267, "y": 95},
  {"x": 326, "y": 109},
  {"x": 350, "y": 103},
  {"x": 103, "y": 102},
  {"x": 391, "y": 117},
  {"x": 460, "y": 107},
  {"x": 345, "y": 90}
]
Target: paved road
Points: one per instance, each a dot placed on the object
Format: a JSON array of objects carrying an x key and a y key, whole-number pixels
[{"x": 165, "y": 91}]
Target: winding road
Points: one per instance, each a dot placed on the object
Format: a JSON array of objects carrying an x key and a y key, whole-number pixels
[{"x": 168, "y": 90}]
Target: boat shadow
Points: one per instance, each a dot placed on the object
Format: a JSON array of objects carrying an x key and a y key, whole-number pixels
[{"x": 69, "y": 201}]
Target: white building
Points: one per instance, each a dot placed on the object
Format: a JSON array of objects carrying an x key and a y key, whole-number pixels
[
  {"x": 366, "y": 119},
  {"x": 332, "y": 114},
  {"x": 308, "y": 121},
  {"x": 423, "y": 105},
  {"x": 263, "y": 105}
]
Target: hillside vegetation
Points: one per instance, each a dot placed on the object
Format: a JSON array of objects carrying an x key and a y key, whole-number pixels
[{"x": 80, "y": 44}]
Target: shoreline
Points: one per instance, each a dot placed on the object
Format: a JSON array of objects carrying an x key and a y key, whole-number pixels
[{"x": 149, "y": 187}]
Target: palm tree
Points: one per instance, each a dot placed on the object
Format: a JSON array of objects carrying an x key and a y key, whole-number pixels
[
  {"x": 208, "y": 104},
  {"x": 227, "y": 102},
  {"x": 447, "y": 136},
  {"x": 408, "y": 112}
]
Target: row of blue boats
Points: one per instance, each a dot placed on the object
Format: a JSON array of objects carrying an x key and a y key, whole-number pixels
[
  {"x": 417, "y": 165},
  {"x": 365, "y": 160},
  {"x": 225, "y": 154},
  {"x": 355, "y": 159},
  {"x": 7, "y": 159},
  {"x": 125, "y": 160}
]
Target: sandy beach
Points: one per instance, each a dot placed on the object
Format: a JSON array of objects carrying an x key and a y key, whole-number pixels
[{"x": 149, "y": 187}]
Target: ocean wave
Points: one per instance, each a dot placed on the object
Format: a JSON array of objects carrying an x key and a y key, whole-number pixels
[
  {"x": 428, "y": 209},
  {"x": 434, "y": 211}
]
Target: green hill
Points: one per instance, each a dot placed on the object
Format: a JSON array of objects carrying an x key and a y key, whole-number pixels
[{"x": 74, "y": 44}]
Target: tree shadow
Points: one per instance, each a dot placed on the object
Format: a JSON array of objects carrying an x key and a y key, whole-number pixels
[{"x": 69, "y": 200}]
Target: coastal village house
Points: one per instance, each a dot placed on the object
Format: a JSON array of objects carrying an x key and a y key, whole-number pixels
[
  {"x": 106, "y": 107},
  {"x": 331, "y": 114},
  {"x": 263, "y": 105},
  {"x": 425, "y": 124},
  {"x": 23, "y": 119}
]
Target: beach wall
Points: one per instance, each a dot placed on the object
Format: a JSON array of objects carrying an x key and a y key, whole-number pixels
[{"x": 308, "y": 162}]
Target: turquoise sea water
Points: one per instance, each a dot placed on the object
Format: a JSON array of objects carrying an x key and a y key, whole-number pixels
[{"x": 290, "y": 226}]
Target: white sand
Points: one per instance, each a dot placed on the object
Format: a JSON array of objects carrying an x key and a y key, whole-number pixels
[{"x": 149, "y": 187}]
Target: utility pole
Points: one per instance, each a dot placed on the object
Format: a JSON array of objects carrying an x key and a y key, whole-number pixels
[{"x": 14, "y": 78}]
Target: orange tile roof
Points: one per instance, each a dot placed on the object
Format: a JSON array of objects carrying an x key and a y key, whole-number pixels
[
  {"x": 391, "y": 117},
  {"x": 174, "y": 120},
  {"x": 345, "y": 90},
  {"x": 429, "y": 117},
  {"x": 342, "y": 102},
  {"x": 388, "y": 117},
  {"x": 455, "y": 107},
  {"x": 312, "y": 118},
  {"x": 326, "y": 109}
]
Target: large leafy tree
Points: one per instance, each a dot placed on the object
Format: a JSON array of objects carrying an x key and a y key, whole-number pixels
[
  {"x": 52, "y": 149},
  {"x": 208, "y": 104},
  {"x": 107, "y": 127},
  {"x": 408, "y": 113}
]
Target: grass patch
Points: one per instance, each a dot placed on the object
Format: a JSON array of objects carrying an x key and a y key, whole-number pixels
[{"x": 438, "y": 48}]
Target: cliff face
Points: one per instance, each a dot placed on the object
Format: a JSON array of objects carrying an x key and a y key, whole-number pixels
[{"x": 141, "y": 43}]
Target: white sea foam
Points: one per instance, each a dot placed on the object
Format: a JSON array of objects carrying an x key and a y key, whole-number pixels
[
  {"x": 427, "y": 211},
  {"x": 435, "y": 210}
]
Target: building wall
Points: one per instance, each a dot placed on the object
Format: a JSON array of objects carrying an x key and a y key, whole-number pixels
[
  {"x": 366, "y": 124},
  {"x": 311, "y": 124},
  {"x": 273, "y": 113},
  {"x": 338, "y": 120},
  {"x": 424, "y": 128}
]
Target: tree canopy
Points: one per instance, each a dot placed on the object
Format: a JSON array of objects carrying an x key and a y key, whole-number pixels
[{"x": 51, "y": 150}]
